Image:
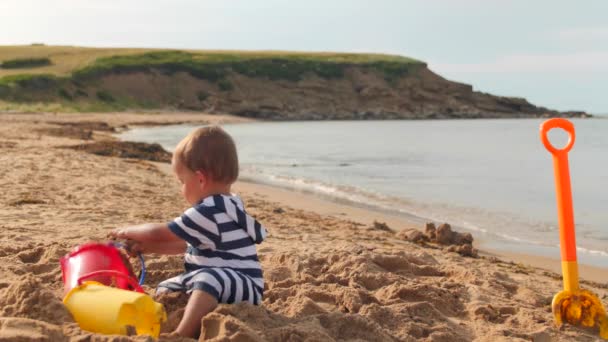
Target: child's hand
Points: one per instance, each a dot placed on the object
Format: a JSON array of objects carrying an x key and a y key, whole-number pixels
[
  {"x": 119, "y": 234},
  {"x": 133, "y": 247},
  {"x": 149, "y": 238}
]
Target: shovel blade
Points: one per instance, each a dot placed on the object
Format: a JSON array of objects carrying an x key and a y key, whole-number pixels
[{"x": 580, "y": 308}]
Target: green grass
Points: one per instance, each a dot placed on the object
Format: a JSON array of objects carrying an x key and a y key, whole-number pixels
[
  {"x": 225, "y": 85},
  {"x": 22, "y": 63},
  {"x": 72, "y": 68},
  {"x": 275, "y": 66},
  {"x": 30, "y": 80},
  {"x": 64, "y": 59},
  {"x": 105, "y": 96},
  {"x": 65, "y": 94},
  {"x": 212, "y": 65}
]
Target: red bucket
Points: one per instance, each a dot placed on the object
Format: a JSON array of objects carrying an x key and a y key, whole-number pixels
[{"x": 99, "y": 262}]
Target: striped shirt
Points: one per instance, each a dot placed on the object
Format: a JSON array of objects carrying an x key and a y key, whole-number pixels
[{"x": 220, "y": 234}]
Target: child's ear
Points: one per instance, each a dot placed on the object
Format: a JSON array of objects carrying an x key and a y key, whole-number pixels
[{"x": 201, "y": 177}]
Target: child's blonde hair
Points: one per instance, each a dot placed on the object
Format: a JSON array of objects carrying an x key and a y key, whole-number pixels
[{"x": 210, "y": 150}]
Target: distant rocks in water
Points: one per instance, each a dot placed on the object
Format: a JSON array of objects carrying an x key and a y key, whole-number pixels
[{"x": 461, "y": 243}]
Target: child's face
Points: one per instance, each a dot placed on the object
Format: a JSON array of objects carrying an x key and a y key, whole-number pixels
[{"x": 192, "y": 182}]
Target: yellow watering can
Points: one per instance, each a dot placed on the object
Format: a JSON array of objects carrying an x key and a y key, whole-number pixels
[{"x": 107, "y": 310}]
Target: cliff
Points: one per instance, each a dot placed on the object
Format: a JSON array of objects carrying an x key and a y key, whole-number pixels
[{"x": 277, "y": 86}]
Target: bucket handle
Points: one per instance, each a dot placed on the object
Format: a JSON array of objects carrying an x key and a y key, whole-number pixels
[
  {"x": 142, "y": 275},
  {"x": 130, "y": 280}
]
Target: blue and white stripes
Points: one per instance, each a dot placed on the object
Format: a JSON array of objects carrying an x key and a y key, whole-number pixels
[{"x": 221, "y": 258}]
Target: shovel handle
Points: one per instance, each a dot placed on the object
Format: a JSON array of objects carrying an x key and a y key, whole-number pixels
[
  {"x": 563, "y": 191},
  {"x": 550, "y": 124}
]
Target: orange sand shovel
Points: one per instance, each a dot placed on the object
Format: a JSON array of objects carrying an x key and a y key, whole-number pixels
[{"x": 573, "y": 305}]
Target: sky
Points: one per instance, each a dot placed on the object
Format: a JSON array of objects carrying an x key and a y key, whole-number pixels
[{"x": 552, "y": 52}]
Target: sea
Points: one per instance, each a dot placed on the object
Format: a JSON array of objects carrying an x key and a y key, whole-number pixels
[{"x": 493, "y": 178}]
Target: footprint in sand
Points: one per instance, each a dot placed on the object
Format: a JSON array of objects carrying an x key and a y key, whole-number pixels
[
  {"x": 31, "y": 255},
  {"x": 40, "y": 269},
  {"x": 493, "y": 314}
]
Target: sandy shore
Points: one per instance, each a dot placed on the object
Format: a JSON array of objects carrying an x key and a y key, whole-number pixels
[
  {"x": 366, "y": 216},
  {"x": 330, "y": 274}
]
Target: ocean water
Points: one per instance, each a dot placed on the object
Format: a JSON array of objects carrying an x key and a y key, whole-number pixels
[{"x": 493, "y": 178}]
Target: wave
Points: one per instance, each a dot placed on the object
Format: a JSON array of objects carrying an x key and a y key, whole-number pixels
[
  {"x": 340, "y": 192},
  {"x": 412, "y": 210},
  {"x": 592, "y": 251}
]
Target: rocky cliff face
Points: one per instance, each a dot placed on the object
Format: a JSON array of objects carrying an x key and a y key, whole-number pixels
[{"x": 361, "y": 94}]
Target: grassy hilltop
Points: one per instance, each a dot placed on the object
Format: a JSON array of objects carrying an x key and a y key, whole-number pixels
[
  {"x": 262, "y": 84},
  {"x": 65, "y": 60},
  {"x": 65, "y": 75}
]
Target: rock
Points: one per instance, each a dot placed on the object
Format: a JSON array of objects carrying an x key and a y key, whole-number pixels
[
  {"x": 467, "y": 250},
  {"x": 464, "y": 250},
  {"x": 462, "y": 238},
  {"x": 461, "y": 243},
  {"x": 417, "y": 236},
  {"x": 413, "y": 235},
  {"x": 444, "y": 234},
  {"x": 357, "y": 92},
  {"x": 430, "y": 230}
]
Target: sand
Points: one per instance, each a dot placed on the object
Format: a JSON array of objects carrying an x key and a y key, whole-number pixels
[{"x": 331, "y": 273}]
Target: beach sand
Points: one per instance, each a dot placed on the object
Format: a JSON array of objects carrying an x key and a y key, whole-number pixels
[{"x": 330, "y": 273}]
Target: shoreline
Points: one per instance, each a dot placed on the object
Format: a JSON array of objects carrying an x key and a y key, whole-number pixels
[
  {"x": 344, "y": 209},
  {"x": 495, "y": 234},
  {"x": 366, "y": 216}
]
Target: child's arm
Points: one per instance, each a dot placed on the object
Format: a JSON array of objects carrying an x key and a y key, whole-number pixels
[
  {"x": 159, "y": 247},
  {"x": 149, "y": 232}
]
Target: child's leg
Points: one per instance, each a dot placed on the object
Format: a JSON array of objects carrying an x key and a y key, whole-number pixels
[{"x": 199, "y": 304}]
